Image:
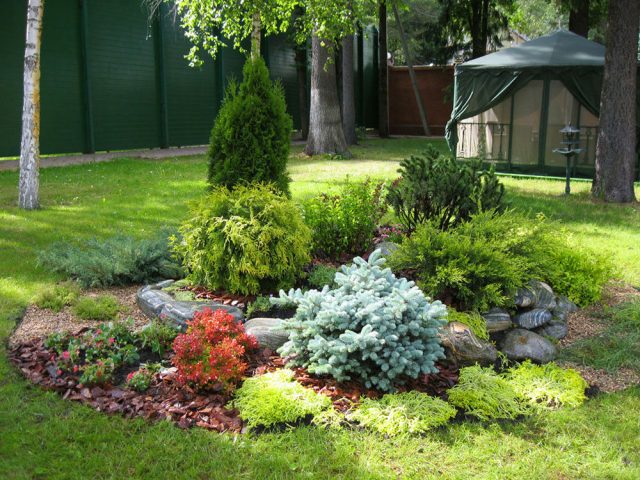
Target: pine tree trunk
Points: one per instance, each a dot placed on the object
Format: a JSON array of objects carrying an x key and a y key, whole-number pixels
[
  {"x": 383, "y": 72},
  {"x": 348, "y": 92},
  {"x": 615, "y": 150},
  {"x": 29, "y": 195},
  {"x": 579, "y": 18},
  {"x": 412, "y": 73},
  {"x": 301, "y": 75},
  {"x": 256, "y": 25},
  {"x": 325, "y": 123}
]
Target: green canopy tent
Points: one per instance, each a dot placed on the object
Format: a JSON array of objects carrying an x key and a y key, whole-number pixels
[{"x": 510, "y": 105}]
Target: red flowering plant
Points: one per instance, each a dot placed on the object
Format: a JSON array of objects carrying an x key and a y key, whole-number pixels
[{"x": 211, "y": 353}]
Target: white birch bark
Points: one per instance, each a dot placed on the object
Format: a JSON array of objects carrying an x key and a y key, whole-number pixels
[
  {"x": 255, "y": 35},
  {"x": 30, "y": 147}
]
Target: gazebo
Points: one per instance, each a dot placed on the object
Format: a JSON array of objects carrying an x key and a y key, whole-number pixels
[{"x": 510, "y": 106}]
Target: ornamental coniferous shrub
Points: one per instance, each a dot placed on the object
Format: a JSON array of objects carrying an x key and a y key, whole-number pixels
[
  {"x": 251, "y": 136},
  {"x": 437, "y": 188},
  {"x": 247, "y": 240},
  {"x": 373, "y": 327}
]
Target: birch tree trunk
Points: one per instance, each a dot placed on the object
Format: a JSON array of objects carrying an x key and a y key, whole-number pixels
[
  {"x": 255, "y": 36},
  {"x": 616, "y": 147},
  {"x": 348, "y": 92},
  {"x": 325, "y": 122},
  {"x": 29, "y": 196}
]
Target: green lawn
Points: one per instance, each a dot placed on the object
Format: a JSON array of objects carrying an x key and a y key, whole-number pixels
[{"x": 42, "y": 436}]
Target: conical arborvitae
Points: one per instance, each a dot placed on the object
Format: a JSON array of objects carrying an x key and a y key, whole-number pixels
[{"x": 250, "y": 139}]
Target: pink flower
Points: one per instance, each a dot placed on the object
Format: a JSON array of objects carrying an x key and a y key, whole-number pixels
[
  {"x": 66, "y": 355},
  {"x": 130, "y": 376},
  {"x": 98, "y": 332},
  {"x": 59, "y": 372},
  {"x": 112, "y": 341},
  {"x": 75, "y": 369}
]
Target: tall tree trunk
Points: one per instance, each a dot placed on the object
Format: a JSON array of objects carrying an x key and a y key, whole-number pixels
[
  {"x": 383, "y": 72},
  {"x": 412, "y": 73},
  {"x": 579, "y": 18},
  {"x": 348, "y": 92},
  {"x": 301, "y": 75},
  {"x": 615, "y": 150},
  {"x": 325, "y": 123},
  {"x": 256, "y": 25},
  {"x": 29, "y": 186}
]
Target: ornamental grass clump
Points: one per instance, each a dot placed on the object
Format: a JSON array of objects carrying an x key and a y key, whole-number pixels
[
  {"x": 547, "y": 386},
  {"x": 246, "y": 240},
  {"x": 276, "y": 398},
  {"x": 403, "y": 413},
  {"x": 373, "y": 327},
  {"x": 211, "y": 354},
  {"x": 484, "y": 394}
]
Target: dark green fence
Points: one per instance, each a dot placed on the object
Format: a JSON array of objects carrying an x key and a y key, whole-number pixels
[{"x": 113, "y": 80}]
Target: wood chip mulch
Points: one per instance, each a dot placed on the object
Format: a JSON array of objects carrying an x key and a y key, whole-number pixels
[
  {"x": 225, "y": 298},
  {"x": 165, "y": 399},
  {"x": 588, "y": 322},
  {"x": 39, "y": 322}
]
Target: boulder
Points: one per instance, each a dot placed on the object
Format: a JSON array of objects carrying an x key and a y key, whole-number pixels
[
  {"x": 524, "y": 298},
  {"x": 179, "y": 313},
  {"x": 151, "y": 301},
  {"x": 521, "y": 344},
  {"x": 557, "y": 330},
  {"x": 545, "y": 298},
  {"x": 497, "y": 320},
  {"x": 464, "y": 347},
  {"x": 533, "y": 318},
  {"x": 268, "y": 332},
  {"x": 564, "y": 306}
]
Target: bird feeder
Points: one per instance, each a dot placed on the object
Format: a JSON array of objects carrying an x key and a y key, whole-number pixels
[{"x": 569, "y": 149}]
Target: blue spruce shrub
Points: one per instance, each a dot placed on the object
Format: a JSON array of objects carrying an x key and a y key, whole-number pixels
[{"x": 373, "y": 327}]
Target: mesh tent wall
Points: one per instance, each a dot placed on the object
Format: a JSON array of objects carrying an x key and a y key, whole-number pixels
[{"x": 510, "y": 105}]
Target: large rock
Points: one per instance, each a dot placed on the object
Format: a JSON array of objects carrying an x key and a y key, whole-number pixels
[
  {"x": 497, "y": 320},
  {"x": 179, "y": 313},
  {"x": 464, "y": 347},
  {"x": 521, "y": 344},
  {"x": 554, "y": 329},
  {"x": 545, "y": 298},
  {"x": 267, "y": 331},
  {"x": 564, "y": 307},
  {"x": 533, "y": 318},
  {"x": 156, "y": 303}
]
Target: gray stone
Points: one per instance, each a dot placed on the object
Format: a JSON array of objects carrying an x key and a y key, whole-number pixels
[
  {"x": 161, "y": 285},
  {"x": 524, "y": 298},
  {"x": 268, "y": 332},
  {"x": 533, "y": 318},
  {"x": 387, "y": 248},
  {"x": 521, "y": 344},
  {"x": 545, "y": 298},
  {"x": 564, "y": 306},
  {"x": 497, "y": 320},
  {"x": 464, "y": 347},
  {"x": 151, "y": 301},
  {"x": 180, "y": 313},
  {"x": 554, "y": 330}
]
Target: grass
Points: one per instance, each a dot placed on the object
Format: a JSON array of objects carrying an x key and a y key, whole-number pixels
[{"x": 42, "y": 436}]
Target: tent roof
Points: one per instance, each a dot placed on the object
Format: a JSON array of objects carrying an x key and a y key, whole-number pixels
[{"x": 559, "y": 49}]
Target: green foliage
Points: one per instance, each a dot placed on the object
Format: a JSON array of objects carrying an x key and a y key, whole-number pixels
[
  {"x": 276, "y": 398},
  {"x": 547, "y": 385},
  {"x": 321, "y": 275},
  {"x": 616, "y": 346},
  {"x": 473, "y": 320},
  {"x": 373, "y": 327},
  {"x": 119, "y": 260},
  {"x": 98, "y": 373},
  {"x": 250, "y": 139},
  {"x": 141, "y": 379},
  {"x": 58, "y": 296},
  {"x": 102, "y": 308},
  {"x": 246, "y": 240},
  {"x": 480, "y": 263},
  {"x": 437, "y": 188},
  {"x": 259, "y": 306},
  {"x": 158, "y": 336},
  {"x": 483, "y": 393},
  {"x": 403, "y": 413},
  {"x": 345, "y": 223}
]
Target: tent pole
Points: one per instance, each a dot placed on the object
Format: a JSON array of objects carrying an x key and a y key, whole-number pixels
[
  {"x": 544, "y": 119},
  {"x": 513, "y": 101}
]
